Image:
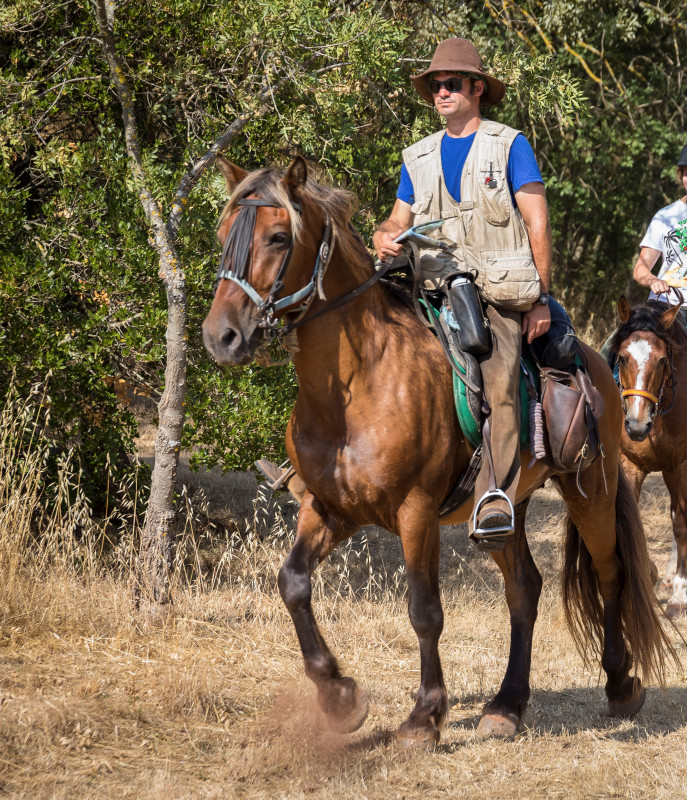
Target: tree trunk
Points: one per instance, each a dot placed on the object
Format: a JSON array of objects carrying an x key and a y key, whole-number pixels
[{"x": 157, "y": 540}]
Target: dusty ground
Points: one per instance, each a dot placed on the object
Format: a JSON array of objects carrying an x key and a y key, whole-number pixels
[{"x": 212, "y": 702}]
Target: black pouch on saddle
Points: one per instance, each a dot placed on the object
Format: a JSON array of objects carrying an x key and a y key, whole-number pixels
[{"x": 472, "y": 331}]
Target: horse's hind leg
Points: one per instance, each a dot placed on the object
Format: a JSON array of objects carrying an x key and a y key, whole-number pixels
[
  {"x": 420, "y": 540},
  {"x": 502, "y": 715},
  {"x": 318, "y": 533},
  {"x": 677, "y": 485},
  {"x": 593, "y": 567},
  {"x": 636, "y": 477}
]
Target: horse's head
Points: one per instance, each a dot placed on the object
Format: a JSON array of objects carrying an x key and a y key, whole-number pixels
[
  {"x": 267, "y": 259},
  {"x": 643, "y": 344}
]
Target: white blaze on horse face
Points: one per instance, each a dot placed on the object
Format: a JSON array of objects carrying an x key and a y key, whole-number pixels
[{"x": 640, "y": 351}]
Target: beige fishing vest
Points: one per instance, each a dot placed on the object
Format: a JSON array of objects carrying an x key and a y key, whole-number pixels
[{"x": 485, "y": 230}]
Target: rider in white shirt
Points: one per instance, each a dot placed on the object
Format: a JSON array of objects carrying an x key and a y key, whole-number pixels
[{"x": 666, "y": 237}]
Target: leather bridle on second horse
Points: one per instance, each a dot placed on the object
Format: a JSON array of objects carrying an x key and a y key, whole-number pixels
[{"x": 657, "y": 400}]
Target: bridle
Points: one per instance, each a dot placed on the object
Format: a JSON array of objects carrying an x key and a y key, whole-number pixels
[
  {"x": 234, "y": 269},
  {"x": 235, "y": 261},
  {"x": 657, "y": 400}
]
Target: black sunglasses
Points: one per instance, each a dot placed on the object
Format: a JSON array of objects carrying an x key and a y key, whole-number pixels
[{"x": 450, "y": 84}]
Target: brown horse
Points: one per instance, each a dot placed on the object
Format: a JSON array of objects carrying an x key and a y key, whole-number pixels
[
  {"x": 650, "y": 347},
  {"x": 374, "y": 436}
]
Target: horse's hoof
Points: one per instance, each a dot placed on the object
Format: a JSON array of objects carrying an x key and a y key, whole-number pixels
[
  {"x": 354, "y": 718},
  {"x": 502, "y": 726},
  {"x": 627, "y": 708},
  {"x": 418, "y": 739},
  {"x": 675, "y": 608}
]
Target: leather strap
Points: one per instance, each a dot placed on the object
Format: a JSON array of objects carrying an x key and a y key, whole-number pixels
[{"x": 340, "y": 301}]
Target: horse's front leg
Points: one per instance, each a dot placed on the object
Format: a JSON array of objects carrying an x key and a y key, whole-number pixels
[
  {"x": 634, "y": 474},
  {"x": 677, "y": 482},
  {"x": 419, "y": 532},
  {"x": 502, "y": 715},
  {"x": 318, "y": 533}
]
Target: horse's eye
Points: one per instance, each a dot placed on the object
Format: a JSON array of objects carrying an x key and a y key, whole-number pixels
[
  {"x": 622, "y": 360},
  {"x": 278, "y": 239}
]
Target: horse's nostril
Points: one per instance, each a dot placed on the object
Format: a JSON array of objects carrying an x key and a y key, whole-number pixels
[{"x": 228, "y": 337}]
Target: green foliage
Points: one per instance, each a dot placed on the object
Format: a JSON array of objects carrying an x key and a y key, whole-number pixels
[
  {"x": 79, "y": 278},
  {"x": 595, "y": 86}
]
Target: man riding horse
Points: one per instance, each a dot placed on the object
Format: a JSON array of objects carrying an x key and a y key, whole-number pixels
[
  {"x": 666, "y": 237},
  {"x": 482, "y": 178}
]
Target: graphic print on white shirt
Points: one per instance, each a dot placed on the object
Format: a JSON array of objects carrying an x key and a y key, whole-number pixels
[
  {"x": 675, "y": 259},
  {"x": 667, "y": 233}
]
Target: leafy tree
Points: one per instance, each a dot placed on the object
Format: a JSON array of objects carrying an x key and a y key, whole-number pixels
[
  {"x": 89, "y": 214},
  {"x": 80, "y": 296}
]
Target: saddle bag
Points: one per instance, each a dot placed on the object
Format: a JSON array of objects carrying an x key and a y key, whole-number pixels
[{"x": 572, "y": 407}]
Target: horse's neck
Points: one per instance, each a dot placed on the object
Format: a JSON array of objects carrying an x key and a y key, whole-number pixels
[
  {"x": 678, "y": 385},
  {"x": 342, "y": 342}
]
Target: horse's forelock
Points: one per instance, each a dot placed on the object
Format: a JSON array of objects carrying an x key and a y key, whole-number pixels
[
  {"x": 646, "y": 318},
  {"x": 340, "y": 204},
  {"x": 267, "y": 184}
]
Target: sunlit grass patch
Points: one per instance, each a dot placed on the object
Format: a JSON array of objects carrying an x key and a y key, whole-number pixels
[{"x": 211, "y": 700}]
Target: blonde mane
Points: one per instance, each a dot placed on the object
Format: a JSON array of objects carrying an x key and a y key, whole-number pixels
[{"x": 339, "y": 204}]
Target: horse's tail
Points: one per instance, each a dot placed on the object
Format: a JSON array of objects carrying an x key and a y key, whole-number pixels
[{"x": 646, "y": 640}]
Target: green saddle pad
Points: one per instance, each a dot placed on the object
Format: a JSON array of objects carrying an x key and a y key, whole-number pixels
[{"x": 467, "y": 421}]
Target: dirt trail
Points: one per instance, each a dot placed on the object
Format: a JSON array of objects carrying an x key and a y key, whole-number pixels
[{"x": 212, "y": 703}]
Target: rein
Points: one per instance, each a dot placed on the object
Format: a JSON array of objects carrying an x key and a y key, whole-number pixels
[{"x": 236, "y": 257}]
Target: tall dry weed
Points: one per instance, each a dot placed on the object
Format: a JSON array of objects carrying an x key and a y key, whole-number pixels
[{"x": 212, "y": 700}]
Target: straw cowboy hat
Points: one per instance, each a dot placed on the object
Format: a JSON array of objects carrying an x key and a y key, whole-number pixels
[{"x": 459, "y": 55}]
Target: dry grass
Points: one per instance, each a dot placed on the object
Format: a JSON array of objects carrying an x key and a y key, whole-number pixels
[{"x": 95, "y": 703}]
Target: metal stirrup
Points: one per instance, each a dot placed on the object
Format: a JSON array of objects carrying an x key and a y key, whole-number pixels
[{"x": 492, "y": 538}]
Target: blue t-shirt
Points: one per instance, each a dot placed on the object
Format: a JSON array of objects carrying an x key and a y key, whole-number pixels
[{"x": 522, "y": 167}]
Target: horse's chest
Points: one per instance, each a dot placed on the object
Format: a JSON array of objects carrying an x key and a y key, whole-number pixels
[{"x": 664, "y": 449}]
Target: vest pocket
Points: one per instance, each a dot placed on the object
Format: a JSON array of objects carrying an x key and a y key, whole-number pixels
[
  {"x": 421, "y": 205},
  {"x": 494, "y": 203},
  {"x": 508, "y": 281}
]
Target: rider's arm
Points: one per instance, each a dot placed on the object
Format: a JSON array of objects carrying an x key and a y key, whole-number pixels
[
  {"x": 531, "y": 200},
  {"x": 642, "y": 271},
  {"x": 400, "y": 220}
]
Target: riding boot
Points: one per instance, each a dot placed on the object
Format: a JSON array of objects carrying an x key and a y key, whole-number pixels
[{"x": 497, "y": 481}]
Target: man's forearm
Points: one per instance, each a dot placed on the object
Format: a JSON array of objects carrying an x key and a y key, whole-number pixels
[
  {"x": 542, "y": 252},
  {"x": 531, "y": 200},
  {"x": 390, "y": 225}
]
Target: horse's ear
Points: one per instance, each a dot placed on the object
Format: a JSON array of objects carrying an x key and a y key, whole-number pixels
[
  {"x": 296, "y": 176},
  {"x": 668, "y": 317},
  {"x": 233, "y": 175},
  {"x": 624, "y": 309}
]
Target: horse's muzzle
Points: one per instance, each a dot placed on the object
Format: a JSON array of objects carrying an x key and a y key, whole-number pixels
[
  {"x": 637, "y": 431},
  {"x": 227, "y": 344}
]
